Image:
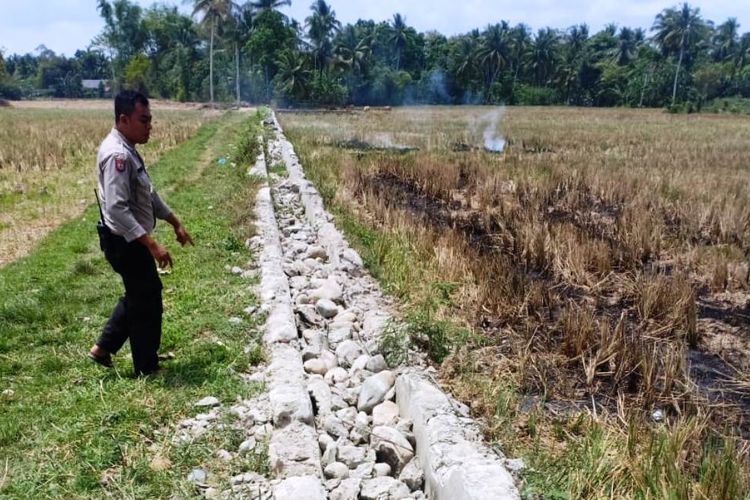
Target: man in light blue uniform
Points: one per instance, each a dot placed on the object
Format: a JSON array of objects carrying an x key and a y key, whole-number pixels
[{"x": 130, "y": 206}]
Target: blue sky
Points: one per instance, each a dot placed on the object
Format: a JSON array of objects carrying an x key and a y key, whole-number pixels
[{"x": 67, "y": 25}]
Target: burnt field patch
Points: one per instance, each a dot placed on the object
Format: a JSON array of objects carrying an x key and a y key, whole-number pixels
[
  {"x": 599, "y": 260},
  {"x": 565, "y": 320}
]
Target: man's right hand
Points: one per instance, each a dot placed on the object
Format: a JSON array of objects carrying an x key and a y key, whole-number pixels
[
  {"x": 158, "y": 252},
  {"x": 161, "y": 255}
]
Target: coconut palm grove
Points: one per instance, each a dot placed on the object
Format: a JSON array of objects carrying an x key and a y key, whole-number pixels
[{"x": 225, "y": 51}]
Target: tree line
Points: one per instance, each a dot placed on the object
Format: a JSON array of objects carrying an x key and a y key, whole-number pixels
[{"x": 231, "y": 52}]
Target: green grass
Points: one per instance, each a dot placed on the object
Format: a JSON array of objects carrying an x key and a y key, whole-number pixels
[{"x": 65, "y": 421}]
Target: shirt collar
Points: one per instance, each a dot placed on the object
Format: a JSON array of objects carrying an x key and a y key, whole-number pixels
[{"x": 122, "y": 138}]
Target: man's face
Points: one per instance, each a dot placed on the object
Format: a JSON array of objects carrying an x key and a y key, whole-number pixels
[{"x": 137, "y": 127}]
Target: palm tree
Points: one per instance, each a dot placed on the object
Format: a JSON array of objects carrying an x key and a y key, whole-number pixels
[
  {"x": 626, "y": 45},
  {"x": 466, "y": 57},
  {"x": 677, "y": 30},
  {"x": 239, "y": 26},
  {"x": 544, "y": 54},
  {"x": 572, "y": 60},
  {"x": 743, "y": 52},
  {"x": 322, "y": 25},
  {"x": 520, "y": 41},
  {"x": 726, "y": 39},
  {"x": 352, "y": 52},
  {"x": 494, "y": 52},
  {"x": 214, "y": 12},
  {"x": 400, "y": 36},
  {"x": 293, "y": 74},
  {"x": 261, "y": 5}
]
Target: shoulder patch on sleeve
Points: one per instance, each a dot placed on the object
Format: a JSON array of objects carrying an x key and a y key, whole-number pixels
[{"x": 120, "y": 164}]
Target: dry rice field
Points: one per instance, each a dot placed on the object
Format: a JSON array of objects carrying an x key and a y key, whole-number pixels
[
  {"x": 47, "y": 156},
  {"x": 595, "y": 269}
]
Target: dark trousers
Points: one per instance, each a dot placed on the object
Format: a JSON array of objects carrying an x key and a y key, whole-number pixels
[{"x": 137, "y": 315}]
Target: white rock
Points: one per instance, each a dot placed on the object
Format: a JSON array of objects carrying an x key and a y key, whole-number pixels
[
  {"x": 311, "y": 352},
  {"x": 352, "y": 456},
  {"x": 386, "y": 413},
  {"x": 390, "y": 395},
  {"x": 412, "y": 475},
  {"x": 391, "y": 447},
  {"x": 336, "y": 470},
  {"x": 326, "y": 308},
  {"x": 329, "y": 289},
  {"x": 347, "y": 352},
  {"x": 197, "y": 476},
  {"x": 330, "y": 454},
  {"x": 363, "y": 471},
  {"x": 515, "y": 464},
  {"x": 247, "y": 446},
  {"x": 351, "y": 395},
  {"x": 257, "y": 377},
  {"x": 347, "y": 490},
  {"x": 298, "y": 283},
  {"x": 362, "y": 419},
  {"x": 332, "y": 483},
  {"x": 382, "y": 469},
  {"x": 374, "y": 390},
  {"x": 329, "y": 358},
  {"x": 339, "y": 332},
  {"x": 348, "y": 316},
  {"x": 325, "y": 441},
  {"x": 335, "y": 427},
  {"x": 317, "y": 366},
  {"x": 300, "y": 488},
  {"x": 360, "y": 435},
  {"x": 224, "y": 455},
  {"x": 337, "y": 402},
  {"x": 320, "y": 392},
  {"x": 380, "y": 488},
  {"x": 336, "y": 375},
  {"x": 263, "y": 431},
  {"x": 208, "y": 401},
  {"x": 376, "y": 364},
  {"x": 316, "y": 252},
  {"x": 347, "y": 415},
  {"x": 290, "y": 402},
  {"x": 312, "y": 336},
  {"x": 373, "y": 323},
  {"x": 259, "y": 410},
  {"x": 359, "y": 364},
  {"x": 294, "y": 451},
  {"x": 248, "y": 477},
  {"x": 404, "y": 425},
  {"x": 309, "y": 315},
  {"x": 352, "y": 257}
]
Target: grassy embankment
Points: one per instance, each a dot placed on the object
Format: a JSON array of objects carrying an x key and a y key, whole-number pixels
[
  {"x": 66, "y": 424},
  {"x": 588, "y": 279},
  {"x": 46, "y": 165}
]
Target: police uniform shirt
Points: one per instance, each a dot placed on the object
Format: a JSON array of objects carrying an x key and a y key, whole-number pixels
[{"x": 130, "y": 203}]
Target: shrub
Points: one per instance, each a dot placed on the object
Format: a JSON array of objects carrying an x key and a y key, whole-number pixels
[{"x": 530, "y": 95}]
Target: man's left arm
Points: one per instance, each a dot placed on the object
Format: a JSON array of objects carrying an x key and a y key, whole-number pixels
[{"x": 162, "y": 211}]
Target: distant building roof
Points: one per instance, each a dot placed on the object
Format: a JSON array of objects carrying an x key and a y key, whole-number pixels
[{"x": 94, "y": 84}]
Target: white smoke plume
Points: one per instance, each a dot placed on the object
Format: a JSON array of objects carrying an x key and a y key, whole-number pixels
[{"x": 493, "y": 139}]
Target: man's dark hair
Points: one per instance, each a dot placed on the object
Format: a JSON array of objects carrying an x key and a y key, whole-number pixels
[{"x": 125, "y": 102}]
